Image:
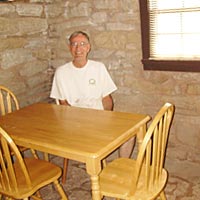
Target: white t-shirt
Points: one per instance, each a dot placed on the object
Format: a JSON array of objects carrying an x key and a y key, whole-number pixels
[{"x": 82, "y": 87}]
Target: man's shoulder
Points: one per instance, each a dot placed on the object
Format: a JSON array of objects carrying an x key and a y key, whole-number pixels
[
  {"x": 94, "y": 63},
  {"x": 63, "y": 67}
]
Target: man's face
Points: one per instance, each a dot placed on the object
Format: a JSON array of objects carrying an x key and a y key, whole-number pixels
[{"x": 79, "y": 47}]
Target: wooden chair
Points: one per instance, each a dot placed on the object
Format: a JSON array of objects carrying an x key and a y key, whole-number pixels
[
  {"x": 65, "y": 160},
  {"x": 23, "y": 177},
  {"x": 8, "y": 104},
  {"x": 144, "y": 178},
  {"x": 8, "y": 101}
]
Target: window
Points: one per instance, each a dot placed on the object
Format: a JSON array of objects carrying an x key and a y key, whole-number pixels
[{"x": 170, "y": 34}]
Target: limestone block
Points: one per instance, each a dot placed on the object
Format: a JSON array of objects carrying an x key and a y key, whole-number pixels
[
  {"x": 53, "y": 10},
  {"x": 34, "y": 10},
  {"x": 18, "y": 86},
  {"x": 58, "y": 62},
  {"x": 63, "y": 27},
  {"x": 117, "y": 26},
  {"x": 123, "y": 17},
  {"x": 101, "y": 53},
  {"x": 36, "y": 42},
  {"x": 42, "y": 92},
  {"x": 137, "y": 102},
  {"x": 106, "y": 4},
  {"x": 12, "y": 43},
  {"x": 175, "y": 150},
  {"x": 7, "y": 26},
  {"x": 31, "y": 25},
  {"x": 193, "y": 89},
  {"x": 32, "y": 68},
  {"x": 184, "y": 169},
  {"x": 6, "y": 76},
  {"x": 191, "y": 137},
  {"x": 21, "y": 26},
  {"x": 42, "y": 1},
  {"x": 11, "y": 81},
  {"x": 99, "y": 17},
  {"x": 145, "y": 86},
  {"x": 6, "y": 9},
  {"x": 110, "y": 40},
  {"x": 42, "y": 54},
  {"x": 82, "y": 9},
  {"x": 11, "y": 58},
  {"x": 129, "y": 81},
  {"x": 36, "y": 80},
  {"x": 128, "y": 5}
]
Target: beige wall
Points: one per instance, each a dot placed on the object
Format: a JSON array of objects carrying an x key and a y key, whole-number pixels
[{"x": 32, "y": 45}]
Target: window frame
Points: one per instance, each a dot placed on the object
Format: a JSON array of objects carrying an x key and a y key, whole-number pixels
[{"x": 160, "y": 65}]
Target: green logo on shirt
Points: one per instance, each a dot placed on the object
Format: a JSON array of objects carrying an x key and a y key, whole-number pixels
[{"x": 92, "y": 81}]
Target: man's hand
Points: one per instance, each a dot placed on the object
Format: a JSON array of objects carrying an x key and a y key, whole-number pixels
[{"x": 64, "y": 102}]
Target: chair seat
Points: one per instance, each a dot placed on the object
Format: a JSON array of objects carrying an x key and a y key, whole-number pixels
[
  {"x": 116, "y": 178},
  {"x": 41, "y": 173}
]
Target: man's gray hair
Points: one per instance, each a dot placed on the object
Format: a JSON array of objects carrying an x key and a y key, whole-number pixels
[{"x": 74, "y": 34}]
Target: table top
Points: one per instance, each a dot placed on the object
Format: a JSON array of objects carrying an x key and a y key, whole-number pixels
[{"x": 71, "y": 132}]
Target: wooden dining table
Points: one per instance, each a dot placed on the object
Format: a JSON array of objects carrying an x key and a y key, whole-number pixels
[{"x": 85, "y": 135}]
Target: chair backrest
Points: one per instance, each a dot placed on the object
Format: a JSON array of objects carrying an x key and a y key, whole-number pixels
[
  {"x": 8, "y": 180},
  {"x": 151, "y": 156},
  {"x": 8, "y": 101}
]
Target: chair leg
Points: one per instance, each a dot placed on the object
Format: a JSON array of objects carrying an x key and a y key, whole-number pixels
[
  {"x": 65, "y": 165},
  {"x": 34, "y": 153},
  {"x": 46, "y": 156},
  {"x": 60, "y": 190},
  {"x": 35, "y": 197},
  {"x": 163, "y": 196},
  {"x": 8, "y": 198}
]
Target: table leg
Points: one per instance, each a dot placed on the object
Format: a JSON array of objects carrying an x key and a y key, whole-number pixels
[
  {"x": 95, "y": 187},
  {"x": 93, "y": 168}
]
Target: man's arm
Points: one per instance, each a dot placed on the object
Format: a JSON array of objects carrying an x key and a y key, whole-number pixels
[{"x": 107, "y": 102}]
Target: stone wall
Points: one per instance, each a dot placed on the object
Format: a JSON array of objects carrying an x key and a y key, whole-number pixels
[{"x": 33, "y": 44}]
